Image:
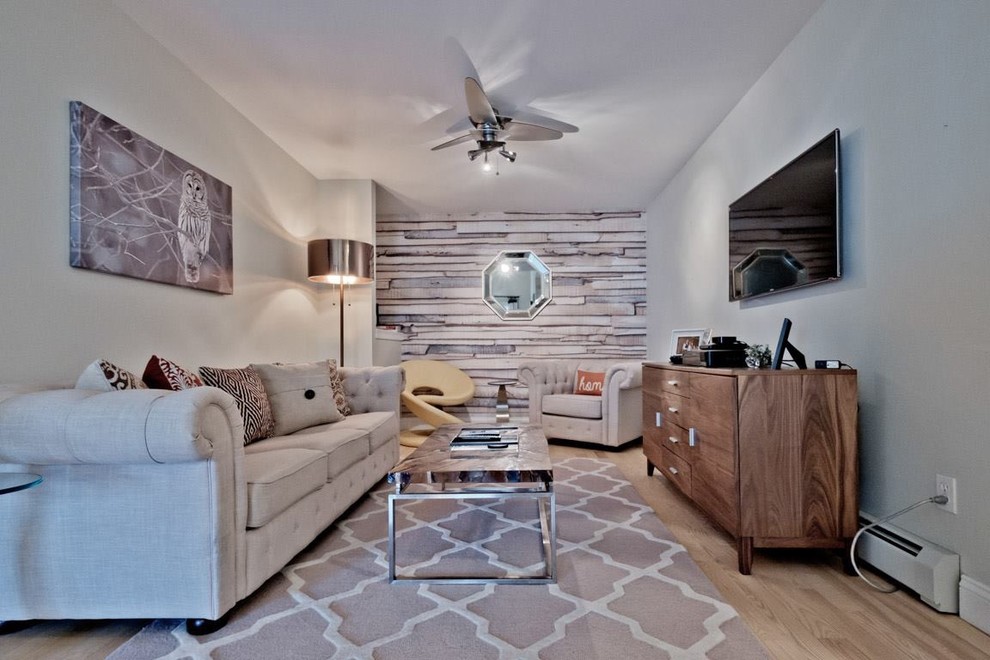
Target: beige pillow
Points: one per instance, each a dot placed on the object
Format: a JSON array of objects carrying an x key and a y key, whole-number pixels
[{"x": 300, "y": 395}]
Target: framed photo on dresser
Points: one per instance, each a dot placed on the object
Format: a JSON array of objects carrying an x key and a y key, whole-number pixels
[{"x": 691, "y": 340}]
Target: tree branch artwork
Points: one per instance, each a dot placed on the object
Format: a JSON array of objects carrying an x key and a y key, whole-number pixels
[{"x": 140, "y": 211}]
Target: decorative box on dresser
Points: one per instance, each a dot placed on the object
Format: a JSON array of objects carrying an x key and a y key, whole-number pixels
[{"x": 769, "y": 455}]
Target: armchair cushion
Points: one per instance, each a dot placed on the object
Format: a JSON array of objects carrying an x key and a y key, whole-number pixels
[{"x": 573, "y": 405}]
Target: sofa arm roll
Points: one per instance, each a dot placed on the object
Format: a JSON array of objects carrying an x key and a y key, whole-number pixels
[
  {"x": 131, "y": 426},
  {"x": 624, "y": 376},
  {"x": 373, "y": 389}
]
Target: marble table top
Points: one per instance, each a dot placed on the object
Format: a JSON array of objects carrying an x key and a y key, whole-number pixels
[{"x": 435, "y": 463}]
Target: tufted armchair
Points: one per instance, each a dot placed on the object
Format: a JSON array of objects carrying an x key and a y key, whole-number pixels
[{"x": 611, "y": 419}]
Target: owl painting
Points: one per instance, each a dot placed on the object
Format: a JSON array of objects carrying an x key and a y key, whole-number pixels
[
  {"x": 138, "y": 210},
  {"x": 194, "y": 224}
]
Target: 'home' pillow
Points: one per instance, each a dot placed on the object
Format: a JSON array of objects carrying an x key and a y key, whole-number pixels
[
  {"x": 300, "y": 395},
  {"x": 589, "y": 382},
  {"x": 249, "y": 393},
  {"x": 105, "y": 376},
  {"x": 162, "y": 374}
]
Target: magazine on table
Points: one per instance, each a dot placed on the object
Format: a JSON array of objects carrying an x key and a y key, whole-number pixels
[{"x": 495, "y": 437}]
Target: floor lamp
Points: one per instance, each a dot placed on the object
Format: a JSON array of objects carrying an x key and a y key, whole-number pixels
[{"x": 340, "y": 261}]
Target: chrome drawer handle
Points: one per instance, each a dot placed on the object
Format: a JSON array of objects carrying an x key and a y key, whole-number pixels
[
  {"x": 672, "y": 470},
  {"x": 692, "y": 437},
  {"x": 672, "y": 410},
  {"x": 673, "y": 439},
  {"x": 673, "y": 383}
]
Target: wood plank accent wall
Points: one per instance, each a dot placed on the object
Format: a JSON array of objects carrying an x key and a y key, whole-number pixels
[{"x": 428, "y": 279}]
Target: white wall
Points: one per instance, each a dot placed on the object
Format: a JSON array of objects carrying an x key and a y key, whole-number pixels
[
  {"x": 908, "y": 84},
  {"x": 347, "y": 210},
  {"x": 57, "y": 319}
]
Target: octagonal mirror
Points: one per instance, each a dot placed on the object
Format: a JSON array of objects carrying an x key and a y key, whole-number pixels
[{"x": 516, "y": 285}]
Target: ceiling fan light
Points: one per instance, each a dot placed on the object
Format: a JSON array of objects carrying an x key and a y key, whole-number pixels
[
  {"x": 508, "y": 155},
  {"x": 486, "y": 167}
]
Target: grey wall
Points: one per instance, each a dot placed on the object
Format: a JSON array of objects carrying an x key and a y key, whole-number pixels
[
  {"x": 429, "y": 283},
  {"x": 908, "y": 84},
  {"x": 57, "y": 319}
]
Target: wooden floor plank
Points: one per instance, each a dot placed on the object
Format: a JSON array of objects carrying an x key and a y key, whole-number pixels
[{"x": 799, "y": 603}]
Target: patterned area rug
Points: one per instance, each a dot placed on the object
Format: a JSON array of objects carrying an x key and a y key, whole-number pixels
[{"x": 626, "y": 588}]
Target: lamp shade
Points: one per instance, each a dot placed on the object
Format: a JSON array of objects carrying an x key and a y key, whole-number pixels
[{"x": 340, "y": 261}]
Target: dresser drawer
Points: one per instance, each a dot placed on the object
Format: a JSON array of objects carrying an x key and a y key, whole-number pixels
[
  {"x": 677, "y": 470},
  {"x": 675, "y": 409},
  {"x": 674, "y": 438},
  {"x": 667, "y": 380}
]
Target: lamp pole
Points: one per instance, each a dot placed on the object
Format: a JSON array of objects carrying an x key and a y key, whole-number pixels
[{"x": 340, "y": 261}]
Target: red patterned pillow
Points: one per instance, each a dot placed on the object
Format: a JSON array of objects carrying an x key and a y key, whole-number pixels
[
  {"x": 589, "y": 382},
  {"x": 248, "y": 391},
  {"x": 162, "y": 374},
  {"x": 106, "y": 376}
]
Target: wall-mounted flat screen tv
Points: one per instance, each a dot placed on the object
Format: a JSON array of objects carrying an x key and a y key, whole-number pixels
[{"x": 785, "y": 232}]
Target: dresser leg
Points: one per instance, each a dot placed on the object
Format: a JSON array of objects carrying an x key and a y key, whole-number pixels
[
  {"x": 649, "y": 468},
  {"x": 847, "y": 564},
  {"x": 745, "y": 550}
]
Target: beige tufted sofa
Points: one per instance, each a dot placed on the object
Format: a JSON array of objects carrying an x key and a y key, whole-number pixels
[
  {"x": 152, "y": 507},
  {"x": 612, "y": 419}
]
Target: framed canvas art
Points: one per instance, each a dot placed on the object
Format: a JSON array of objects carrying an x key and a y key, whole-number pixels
[{"x": 140, "y": 211}]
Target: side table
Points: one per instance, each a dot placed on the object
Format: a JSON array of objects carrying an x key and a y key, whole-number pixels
[{"x": 502, "y": 400}]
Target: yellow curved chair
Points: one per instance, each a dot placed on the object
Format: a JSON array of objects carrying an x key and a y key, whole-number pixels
[{"x": 430, "y": 385}]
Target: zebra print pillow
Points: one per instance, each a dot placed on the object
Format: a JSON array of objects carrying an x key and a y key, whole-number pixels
[{"x": 249, "y": 393}]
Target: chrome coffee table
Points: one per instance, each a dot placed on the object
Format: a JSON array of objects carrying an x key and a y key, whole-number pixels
[{"x": 435, "y": 471}]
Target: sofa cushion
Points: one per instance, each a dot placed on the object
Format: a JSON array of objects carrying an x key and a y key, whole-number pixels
[
  {"x": 278, "y": 479},
  {"x": 589, "y": 382},
  {"x": 343, "y": 447},
  {"x": 382, "y": 427},
  {"x": 105, "y": 376},
  {"x": 249, "y": 393},
  {"x": 573, "y": 405},
  {"x": 300, "y": 394},
  {"x": 162, "y": 374}
]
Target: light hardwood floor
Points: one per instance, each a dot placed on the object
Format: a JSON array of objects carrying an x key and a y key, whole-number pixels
[{"x": 799, "y": 603}]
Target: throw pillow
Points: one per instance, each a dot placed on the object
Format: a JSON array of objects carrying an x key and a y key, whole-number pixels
[
  {"x": 249, "y": 393},
  {"x": 106, "y": 376},
  {"x": 162, "y": 374},
  {"x": 337, "y": 383},
  {"x": 589, "y": 382},
  {"x": 300, "y": 395}
]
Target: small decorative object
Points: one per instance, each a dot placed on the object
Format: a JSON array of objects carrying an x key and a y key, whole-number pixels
[
  {"x": 689, "y": 340},
  {"x": 141, "y": 211},
  {"x": 757, "y": 356}
]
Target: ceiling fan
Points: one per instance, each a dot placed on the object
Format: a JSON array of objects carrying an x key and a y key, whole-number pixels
[{"x": 491, "y": 130}]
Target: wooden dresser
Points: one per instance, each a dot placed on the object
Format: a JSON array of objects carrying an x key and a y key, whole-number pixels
[{"x": 771, "y": 456}]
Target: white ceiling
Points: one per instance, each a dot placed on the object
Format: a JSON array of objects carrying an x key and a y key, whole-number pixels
[{"x": 362, "y": 89}]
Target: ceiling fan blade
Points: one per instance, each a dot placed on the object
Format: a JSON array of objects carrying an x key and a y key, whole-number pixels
[
  {"x": 523, "y": 132},
  {"x": 460, "y": 139},
  {"x": 479, "y": 107}
]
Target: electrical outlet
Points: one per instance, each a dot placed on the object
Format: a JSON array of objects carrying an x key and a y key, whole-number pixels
[{"x": 947, "y": 486}]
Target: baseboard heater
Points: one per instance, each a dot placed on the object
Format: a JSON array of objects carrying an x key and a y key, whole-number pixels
[{"x": 923, "y": 567}]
